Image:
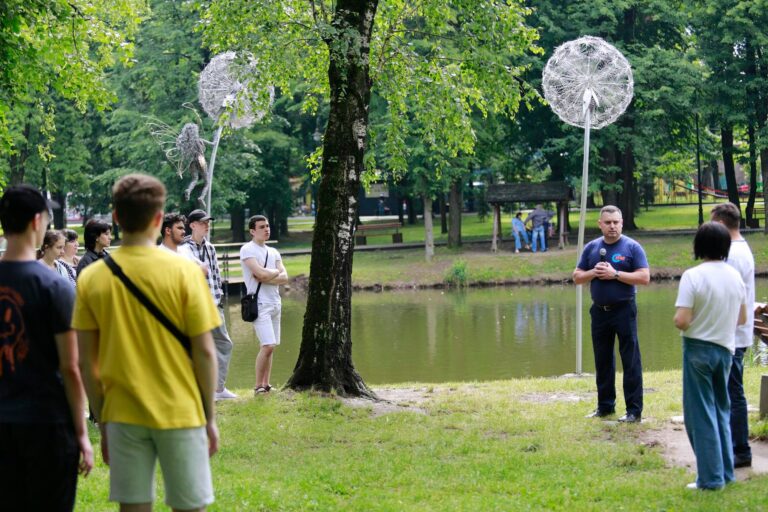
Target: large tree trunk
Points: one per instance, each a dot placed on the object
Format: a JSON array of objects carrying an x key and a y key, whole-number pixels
[
  {"x": 325, "y": 357},
  {"x": 764, "y": 171},
  {"x": 443, "y": 215},
  {"x": 455, "y": 207},
  {"x": 60, "y": 213},
  {"x": 729, "y": 169},
  {"x": 628, "y": 195},
  {"x": 237, "y": 214},
  {"x": 750, "y": 211},
  {"x": 409, "y": 203},
  {"x": 429, "y": 231},
  {"x": 608, "y": 158}
]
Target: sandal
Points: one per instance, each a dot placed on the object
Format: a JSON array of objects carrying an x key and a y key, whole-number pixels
[{"x": 260, "y": 390}]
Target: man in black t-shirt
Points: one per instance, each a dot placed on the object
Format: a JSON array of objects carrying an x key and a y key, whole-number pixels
[{"x": 43, "y": 437}]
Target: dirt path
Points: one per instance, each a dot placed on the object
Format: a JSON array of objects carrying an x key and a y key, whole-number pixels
[{"x": 673, "y": 442}]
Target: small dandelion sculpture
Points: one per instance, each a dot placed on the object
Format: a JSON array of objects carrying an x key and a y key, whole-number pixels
[
  {"x": 224, "y": 95},
  {"x": 588, "y": 83}
]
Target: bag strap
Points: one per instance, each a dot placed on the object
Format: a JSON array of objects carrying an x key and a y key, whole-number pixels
[
  {"x": 256, "y": 295},
  {"x": 159, "y": 315}
]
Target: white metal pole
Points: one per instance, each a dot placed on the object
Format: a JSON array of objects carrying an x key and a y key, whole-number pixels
[
  {"x": 580, "y": 245},
  {"x": 216, "y": 139}
]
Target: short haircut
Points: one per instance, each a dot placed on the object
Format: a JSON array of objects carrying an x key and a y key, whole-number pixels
[
  {"x": 609, "y": 209},
  {"x": 137, "y": 198},
  {"x": 70, "y": 235},
  {"x": 93, "y": 229},
  {"x": 518, "y": 214},
  {"x": 18, "y": 207},
  {"x": 169, "y": 219},
  {"x": 712, "y": 242},
  {"x": 256, "y": 218},
  {"x": 728, "y": 214}
]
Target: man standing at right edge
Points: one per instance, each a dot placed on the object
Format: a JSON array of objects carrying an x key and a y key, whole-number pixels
[
  {"x": 739, "y": 257},
  {"x": 613, "y": 265}
]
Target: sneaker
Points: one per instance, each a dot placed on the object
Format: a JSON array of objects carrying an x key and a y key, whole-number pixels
[
  {"x": 224, "y": 394},
  {"x": 517, "y": 251},
  {"x": 692, "y": 486},
  {"x": 739, "y": 462}
]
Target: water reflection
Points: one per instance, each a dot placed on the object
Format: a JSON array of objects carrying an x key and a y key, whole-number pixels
[{"x": 487, "y": 334}]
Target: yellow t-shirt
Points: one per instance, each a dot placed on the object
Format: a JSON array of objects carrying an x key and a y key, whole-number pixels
[{"x": 147, "y": 376}]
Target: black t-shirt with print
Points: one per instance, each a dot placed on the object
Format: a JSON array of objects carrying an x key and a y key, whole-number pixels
[{"x": 36, "y": 303}]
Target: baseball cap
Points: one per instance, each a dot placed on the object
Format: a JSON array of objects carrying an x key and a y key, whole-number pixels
[
  {"x": 198, "y": 215},
  {"x": 20, "y": 204}
]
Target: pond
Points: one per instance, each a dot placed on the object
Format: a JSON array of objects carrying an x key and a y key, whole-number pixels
[{"x": 473, "y": 335}]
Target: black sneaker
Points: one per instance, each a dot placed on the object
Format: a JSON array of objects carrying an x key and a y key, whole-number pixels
[
  {"x": 597, "y": 413},
  {"x": 630, "y": 418},
  {"x": 742, "y": 463}
]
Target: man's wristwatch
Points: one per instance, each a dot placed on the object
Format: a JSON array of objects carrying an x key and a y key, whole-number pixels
[{"x": 616, "y": 274}]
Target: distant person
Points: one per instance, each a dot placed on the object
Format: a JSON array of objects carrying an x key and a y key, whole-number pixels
[
  {"x": 172, "y": 231},
  {"x": 98, "y": 237},
  {"x": 263, "y": 265},
  {"x": 740, "y": 258},
  {"x": 711, "y": 302},
  {"x": 43, "y": 437},
  {"x": 50, "y": 252},
  {"x": 152, "y": 396},
  {"x": 70, "y": 259},
  {"x": 614, "y": 265},
  {"x": 518, "y": 230},
  {"x": 204, "y": 252},
  {"x": 538, "y": 217}
]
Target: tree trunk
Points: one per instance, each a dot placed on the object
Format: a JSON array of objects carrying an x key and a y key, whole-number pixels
[
  {"x": 411, "y": 210},
  {"x": 764, "y": 171},
  {"x": 443, "y": 216},
  {"x": 325, "y": 357},
  {"x": 429, "y": 232},
  {"x": 608, "y": 157},
  {"x": 237, "y": 214},
  {"x": 628, "y": 195},
  {"x": 726, "y": 141},
  {"x": 60, "y": 213},
  {"x": 454, "y": 231},
  {"x": 752, "y": 175},
  {"x": 715, "y": 171}
]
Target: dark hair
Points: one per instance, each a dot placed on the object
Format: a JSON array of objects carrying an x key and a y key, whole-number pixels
[
  {"x": 712, "y": 242},
  {"x": 728, "y": 214},
  {"x": 18, "y": 207},
  {"x": 169, "y": 219},
  {"x": 137, "y": 199},
  {"x": 518, "y": 214},
  {"x": 93, "y": 229},
  {"x": 256, "y": 218},
  {"x": 70, "y": 235},
  {"x": 49, "y": 240}
]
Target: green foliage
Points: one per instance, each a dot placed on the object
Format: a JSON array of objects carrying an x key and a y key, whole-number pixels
[{"x": 458, "y": 274}]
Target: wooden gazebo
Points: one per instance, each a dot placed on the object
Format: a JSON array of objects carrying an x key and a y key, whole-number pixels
[{"x": 551, "y": 191}]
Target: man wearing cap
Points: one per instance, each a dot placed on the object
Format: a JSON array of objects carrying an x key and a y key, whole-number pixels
[
  {"x": 613, "y": 265},
  {"x": 203, "y": 251},
  {"x": 43, "y": 437}
]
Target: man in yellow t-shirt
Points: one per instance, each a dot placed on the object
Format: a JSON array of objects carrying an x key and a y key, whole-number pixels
[{"x": 151, "y": 400}]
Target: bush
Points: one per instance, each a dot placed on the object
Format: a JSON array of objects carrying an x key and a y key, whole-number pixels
[{"x": 458, "y": 274}]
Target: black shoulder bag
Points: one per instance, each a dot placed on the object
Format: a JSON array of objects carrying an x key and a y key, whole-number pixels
[
  {"x": 159, "y": 315},
  {"x": 249, "y": 304}
]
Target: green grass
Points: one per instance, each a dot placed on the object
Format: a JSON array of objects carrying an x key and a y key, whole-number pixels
[{"x": 477, "y": 446}]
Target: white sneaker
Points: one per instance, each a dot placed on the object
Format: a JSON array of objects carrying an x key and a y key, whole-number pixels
[
  {"x": 692, "y": 486},
  {"x": 224, "y": 394}
]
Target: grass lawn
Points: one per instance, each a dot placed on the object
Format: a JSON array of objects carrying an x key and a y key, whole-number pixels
[{"x": 508, "y": 445}]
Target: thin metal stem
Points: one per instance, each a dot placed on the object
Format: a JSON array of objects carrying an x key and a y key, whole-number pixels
[{"x": 580, "y": 245}]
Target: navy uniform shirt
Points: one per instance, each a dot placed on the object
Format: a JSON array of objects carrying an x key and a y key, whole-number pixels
[{"x": 625, "y": 255}]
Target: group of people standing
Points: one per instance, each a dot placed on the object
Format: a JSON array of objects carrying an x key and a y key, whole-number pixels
[
  {"x": 538, "y": 219},
  {"x": 141, "y": 331},
  {"x": 713, "y": 312}
]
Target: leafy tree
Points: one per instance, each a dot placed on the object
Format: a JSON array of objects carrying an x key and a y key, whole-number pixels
[{"x": 343, "y": 49}]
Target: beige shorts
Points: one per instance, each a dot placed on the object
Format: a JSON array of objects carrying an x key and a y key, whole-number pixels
[
  {"x": 183, "y": 455},
  {"x": 267, "y": 325}
]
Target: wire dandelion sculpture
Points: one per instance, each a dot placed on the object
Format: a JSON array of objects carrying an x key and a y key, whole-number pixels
[
  {"x": 225, "y": 96},
  {"x": 588, "y": 83}
]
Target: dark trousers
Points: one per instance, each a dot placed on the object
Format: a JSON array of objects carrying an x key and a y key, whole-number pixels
[
  {"x": 621, "y": 322},
  {"x": 739, "y": 422},
  {"x": 38, "y": 466}
]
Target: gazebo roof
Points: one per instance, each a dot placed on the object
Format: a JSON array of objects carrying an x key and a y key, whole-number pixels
[{"x": 529, "y": 192}]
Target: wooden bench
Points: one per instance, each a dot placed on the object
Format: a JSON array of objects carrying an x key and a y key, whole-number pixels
[{"x": 363, "y": 230}]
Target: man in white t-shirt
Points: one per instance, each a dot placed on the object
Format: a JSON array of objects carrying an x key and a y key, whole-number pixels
[
  {"x": 740, "y": 258},
  {"x": 264, "y": 272},
  {"x": 172, "y": 232}
]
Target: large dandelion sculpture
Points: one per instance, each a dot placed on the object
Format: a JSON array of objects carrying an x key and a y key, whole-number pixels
[
  {"x": 224, "y": 95},
  {"x": 588, "y": 83}
]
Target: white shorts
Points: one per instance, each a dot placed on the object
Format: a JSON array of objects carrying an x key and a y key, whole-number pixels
[
  {"x": 183, "y": 455},
  {"x": 267, "y": 326}
]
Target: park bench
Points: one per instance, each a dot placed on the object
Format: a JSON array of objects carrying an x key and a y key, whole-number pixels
[{"x": 362, "y": 231}]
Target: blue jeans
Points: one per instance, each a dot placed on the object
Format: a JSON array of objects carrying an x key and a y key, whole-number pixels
[
  {"x": 517, "y": 235},
  {"x": 621, "y": 322},
  {"x": 707, "y": 410},
  {"x": 538, "y": 233},
  {"x": 739, "y": 422}
]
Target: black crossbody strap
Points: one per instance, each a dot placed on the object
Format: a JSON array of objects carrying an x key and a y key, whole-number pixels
[
  {"x": 256, "y": 295},
  {"x": 159, "y": 315}
]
